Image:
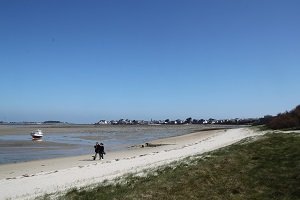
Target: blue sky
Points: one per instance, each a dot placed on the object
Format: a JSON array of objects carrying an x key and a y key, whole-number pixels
[{"x": 82, "y": 61}]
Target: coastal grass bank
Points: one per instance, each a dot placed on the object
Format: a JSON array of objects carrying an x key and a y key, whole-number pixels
[{"x": 265, "y": 167}]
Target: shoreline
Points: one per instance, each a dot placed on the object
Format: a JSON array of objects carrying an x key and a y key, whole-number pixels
[
  {"x": 16, "y": 145},
  {"x": 12, "y": 170},
  {"x": 36, "y": 178}
]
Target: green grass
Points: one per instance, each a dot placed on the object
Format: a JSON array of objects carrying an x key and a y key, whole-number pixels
[{"x": 267, "y": 168}]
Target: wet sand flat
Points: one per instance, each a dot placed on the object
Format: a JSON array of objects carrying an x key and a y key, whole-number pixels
[
  {"x": 63, "y": 140},
  {"x": 58, "y": 128},
  {"x": 69, "y": 128}
]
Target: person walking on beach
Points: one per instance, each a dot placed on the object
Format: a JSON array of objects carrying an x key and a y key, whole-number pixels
[
  {"x": 102, "y": 152},
  {"x": 97, "y": 150}
]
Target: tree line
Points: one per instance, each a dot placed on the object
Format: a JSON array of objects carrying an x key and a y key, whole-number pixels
[{"x": 286, "y": 120}]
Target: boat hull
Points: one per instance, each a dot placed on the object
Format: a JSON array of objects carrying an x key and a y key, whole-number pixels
[{"x": 37, "y": 135}]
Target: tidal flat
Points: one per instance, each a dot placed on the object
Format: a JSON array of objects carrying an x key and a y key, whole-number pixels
[{"x": 64, "y": 140}]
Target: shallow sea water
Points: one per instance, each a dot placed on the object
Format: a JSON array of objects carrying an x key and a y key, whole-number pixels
[{"x": 19, "y": 147}]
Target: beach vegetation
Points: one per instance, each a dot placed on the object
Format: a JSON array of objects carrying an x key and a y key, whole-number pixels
[
  {"x": 265, "y": 168},
  {"x": 286, "y": 120}
]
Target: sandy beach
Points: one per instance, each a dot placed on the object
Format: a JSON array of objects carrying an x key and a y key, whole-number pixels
[{"x": 31, "y": 179}]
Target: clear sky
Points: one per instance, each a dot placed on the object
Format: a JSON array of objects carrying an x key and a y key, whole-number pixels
[{"x": 82, "y": 61}]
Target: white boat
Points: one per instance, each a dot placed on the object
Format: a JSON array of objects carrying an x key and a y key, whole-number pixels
[{"x": 37, "y": 134}]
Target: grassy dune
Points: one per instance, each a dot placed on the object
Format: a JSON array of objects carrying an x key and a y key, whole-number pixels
[{"x": 267, "y": 168}]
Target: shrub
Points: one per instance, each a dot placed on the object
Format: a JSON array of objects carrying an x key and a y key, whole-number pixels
[{"x": 287, "y": 120}]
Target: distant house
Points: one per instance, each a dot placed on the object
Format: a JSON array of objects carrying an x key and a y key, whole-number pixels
[
  {"x": 179, "y": 121},
  {"x": 102, "y": 122},
  {"x": 113, "y": 122}
]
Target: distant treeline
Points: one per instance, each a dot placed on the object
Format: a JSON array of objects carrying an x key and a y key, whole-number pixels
[
  {"x": 52, "y": 122},
  {"x": 286, "y": 120}
]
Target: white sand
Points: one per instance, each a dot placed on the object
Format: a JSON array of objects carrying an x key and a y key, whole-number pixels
[{"x": 31, "y": 179}]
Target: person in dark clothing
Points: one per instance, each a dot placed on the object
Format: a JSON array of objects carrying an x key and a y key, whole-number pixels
[
  {"x": 101, "y": 152},
  {"x": 97, "y": 150}
]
